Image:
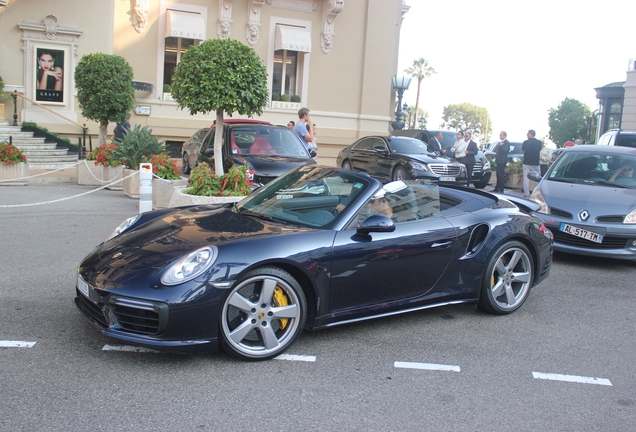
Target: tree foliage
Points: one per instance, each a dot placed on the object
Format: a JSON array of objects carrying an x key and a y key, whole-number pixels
[
  {"x": 468, "y": 117},
  {"x": 137, "y": 144},
  {"x": 569, "y": 121},
  {"x": 419, "y": 70},
  {"x": 103, "y": 89},
  {"x": 221, "y": 75}
]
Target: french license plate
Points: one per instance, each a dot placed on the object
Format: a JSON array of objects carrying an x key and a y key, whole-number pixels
[
  {"x": 580, "y": 232},
  {"x": 82, "y": 286},
  {"x": 447, "y": 179}
]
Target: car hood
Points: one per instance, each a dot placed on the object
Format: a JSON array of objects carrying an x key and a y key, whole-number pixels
[
  {"x": 136, "y": 256},
  {"x": 429, "y": 158},
  {"x": 272, "y": 165},
  {"x": 598, "y": 200}
]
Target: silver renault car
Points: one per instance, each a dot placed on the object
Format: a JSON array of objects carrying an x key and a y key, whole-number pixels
[{"x": 588, "y": 201}]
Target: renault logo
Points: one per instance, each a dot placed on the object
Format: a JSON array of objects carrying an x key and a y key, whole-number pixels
[{"x": 583, "y": 215}]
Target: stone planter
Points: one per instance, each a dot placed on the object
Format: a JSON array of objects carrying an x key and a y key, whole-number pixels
[
  {"x": 180, "y": 199},
  {"x": 162, "y": 191},
  {"x": 109, "y": 174},
  {"x": 17, "y": 171},
  {"x": 515, "y": 181},
  {"x": 89, "y": 174},
  {"x": 131, "y": 184}
]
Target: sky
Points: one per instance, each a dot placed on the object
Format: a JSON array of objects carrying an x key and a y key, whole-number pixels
[{"x": 516, "y": 59}]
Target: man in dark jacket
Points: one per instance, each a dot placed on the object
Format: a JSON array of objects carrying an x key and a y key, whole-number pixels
[
  {"x": 531, "y": 148},
  {"x": 501, "y": 159},
  {"x": 435, "y": 143}
]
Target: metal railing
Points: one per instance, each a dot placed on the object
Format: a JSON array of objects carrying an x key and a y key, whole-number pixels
[{"x": 82, "y": 146}]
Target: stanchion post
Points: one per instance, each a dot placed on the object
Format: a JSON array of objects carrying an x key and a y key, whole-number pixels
[{"x": 145, "y": 187}]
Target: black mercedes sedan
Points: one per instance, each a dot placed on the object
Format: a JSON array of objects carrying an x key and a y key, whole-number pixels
[
  {"x": 390, "y": 158},
  {"x": 315, "y": 248}
]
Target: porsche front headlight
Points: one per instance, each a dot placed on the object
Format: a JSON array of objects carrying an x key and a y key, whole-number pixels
[
  {"x": 190, "y": 266},
  {"x": 124, "y": 226}
]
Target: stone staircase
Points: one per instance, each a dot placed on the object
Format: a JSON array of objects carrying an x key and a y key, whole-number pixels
[{"x": 43, "y": 158}]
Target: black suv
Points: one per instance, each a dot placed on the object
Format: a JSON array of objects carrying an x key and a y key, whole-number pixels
[
  {"x": 618, "y": 137},
  {"x": 481, "y": 171}
]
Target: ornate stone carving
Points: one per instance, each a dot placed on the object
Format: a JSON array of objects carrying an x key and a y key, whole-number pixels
[
  {"x": 331, "y": 9},
  {"x": 49, "y": 29},
  {"x": 140, "y": 16},
  {"x": 225, "y": 18},
  {"x": 254, "y": 23}
]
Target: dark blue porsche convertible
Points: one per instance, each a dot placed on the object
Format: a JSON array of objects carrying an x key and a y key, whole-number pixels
[{"x": 316, "y": 247}]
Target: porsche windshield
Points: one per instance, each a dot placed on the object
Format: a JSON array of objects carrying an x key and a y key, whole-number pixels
[
  {"x": 309, "y": 196},
  {"x": 595, "y": 168}
]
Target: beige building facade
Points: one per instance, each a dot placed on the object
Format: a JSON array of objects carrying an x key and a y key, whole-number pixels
[{"x": 335, "y": 57}]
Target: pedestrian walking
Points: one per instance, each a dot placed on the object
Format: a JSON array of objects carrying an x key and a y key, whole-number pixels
[
  {"x": 531, "y": 149},
  {"x": 501, "y": 159}
]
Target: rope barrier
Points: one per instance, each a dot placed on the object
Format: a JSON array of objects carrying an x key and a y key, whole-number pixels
[{"x": 71, "y": 197}]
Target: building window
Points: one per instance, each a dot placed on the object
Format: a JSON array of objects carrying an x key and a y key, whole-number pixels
[
  {"x": 614, "y": 118},
  {"x": 288, "y": 62},
  {"x": 175, "y": 47}
]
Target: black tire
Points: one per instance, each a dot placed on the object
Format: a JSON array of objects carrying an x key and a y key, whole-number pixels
[
  {"x": 254, "y": 325},
  {"x": 480, "y": 185},
  {"x": 399, "y": 173},
  {"x": 507, "y": 279},
  {"x": 185, "y": 167},
  {"x": 346, "y": 165}
]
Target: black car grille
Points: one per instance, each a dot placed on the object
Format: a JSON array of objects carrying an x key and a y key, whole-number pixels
[
  {"x": 560, "y": 213},
  {"x": 445, "y": 169},
  {"x": 136, "y": 316},
  {"x": 609, "y": 242},
  {"x": 90, "y": 309},
  {"x": 611, "y": 219}
]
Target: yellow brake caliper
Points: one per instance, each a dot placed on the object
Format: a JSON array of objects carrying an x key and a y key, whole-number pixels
[{"x": 281, "y": 300}]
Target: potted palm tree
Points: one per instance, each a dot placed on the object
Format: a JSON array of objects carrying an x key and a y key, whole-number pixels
[{"x": 137, "y": 145}]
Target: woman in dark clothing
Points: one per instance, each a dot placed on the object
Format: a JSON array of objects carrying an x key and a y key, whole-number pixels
[{"x": 49, "y": 76}]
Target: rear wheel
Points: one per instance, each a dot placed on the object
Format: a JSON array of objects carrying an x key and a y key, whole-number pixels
[
  {"x": 185, "y": 167},
  {"x": 507, "y": 279},
  {"x": 263, "y": 314}
]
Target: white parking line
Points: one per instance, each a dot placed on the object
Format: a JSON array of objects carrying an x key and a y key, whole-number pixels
[
  {"x": 127, "y": 348},
  {"x": 294, "y": 357},
  {"x": 16, "y": 344},
  {"x": 426, "y": 366},
  {"x": 571, "y": 378}
]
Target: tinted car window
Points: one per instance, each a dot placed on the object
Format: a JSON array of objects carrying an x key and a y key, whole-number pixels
[
  {"x": 627, "y": 140},
  {"x": 366, "y": 144},
  {"x": 266, "y": 139},
  {"x": 407, "y": 146}
]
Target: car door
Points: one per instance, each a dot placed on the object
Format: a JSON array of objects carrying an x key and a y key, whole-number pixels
[
  {"x": 388, "y": 267},
  {"x": 359, "y": 155},
  {"x": 381, "y": 161}
]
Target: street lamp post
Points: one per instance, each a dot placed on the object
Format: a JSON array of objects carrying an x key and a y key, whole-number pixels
[{"x": 400, "y": 84}]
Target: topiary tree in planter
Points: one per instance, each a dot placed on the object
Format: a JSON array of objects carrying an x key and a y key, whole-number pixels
[
  {"x": 103, "y": 89},
  {"x": 220, "y": 75}
]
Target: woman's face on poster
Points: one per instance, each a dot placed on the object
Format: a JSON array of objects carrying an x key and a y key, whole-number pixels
[{"x": 46, "y": 61}]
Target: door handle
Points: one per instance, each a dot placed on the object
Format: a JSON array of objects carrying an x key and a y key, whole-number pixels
[{"x": 441, "y": 245}]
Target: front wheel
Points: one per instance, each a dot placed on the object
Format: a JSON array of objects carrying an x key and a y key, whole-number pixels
[
  {"x": 185, "y": 167},
  {"x": 507, "y": 279},
  {"x": 399, "y": 173},
  {"x": 480, "y": 185},
  {"x": 263, "y": 314}
]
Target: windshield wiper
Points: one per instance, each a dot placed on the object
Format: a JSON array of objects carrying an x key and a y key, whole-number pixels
[{"x": 265, "y": 217}]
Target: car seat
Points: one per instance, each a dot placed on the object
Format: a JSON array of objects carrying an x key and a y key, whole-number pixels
[
  {"x": 262, "y": 146},
  {"x": 235, "y": 149},
  {"x": 583, "y": 168}
]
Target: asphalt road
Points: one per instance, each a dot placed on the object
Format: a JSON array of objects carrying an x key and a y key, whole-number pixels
[{"x": 484, "y": 372}]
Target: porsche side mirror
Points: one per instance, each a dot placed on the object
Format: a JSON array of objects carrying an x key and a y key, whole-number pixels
[{"x": 376, "y": 223}]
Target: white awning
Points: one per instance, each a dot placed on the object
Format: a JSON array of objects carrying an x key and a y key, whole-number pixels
[
  {"x": 185, "y": 25},
  {"x": 292, "y": 39}
]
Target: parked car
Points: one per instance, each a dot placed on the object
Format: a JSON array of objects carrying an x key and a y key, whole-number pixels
[
  {"x": 190, "y": 149},
  {"x": 390, "y": 158},
  {"x": 317, "y": 247},
  {"x": 514, "y": 152},
  {"x": 267, "y": 149},
  {"x": 555, "y": 154},
  {"x": 618, "y": 137},
  {"x": 481, "y": 170},
  {"x": 589, "y": 204}
]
